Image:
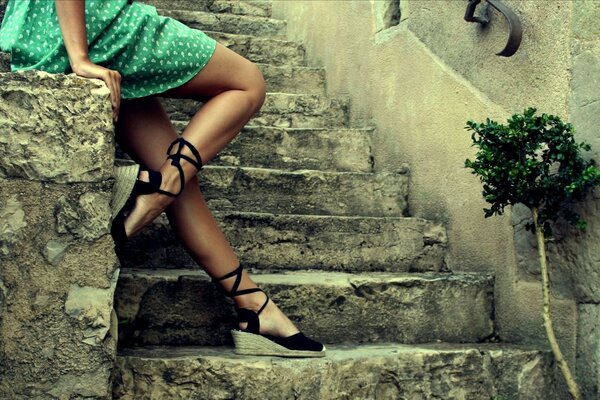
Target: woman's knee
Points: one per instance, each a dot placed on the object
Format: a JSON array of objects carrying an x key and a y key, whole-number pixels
[{"x": 256, "y": 88}]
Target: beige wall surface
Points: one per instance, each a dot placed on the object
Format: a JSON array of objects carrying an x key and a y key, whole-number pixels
[{"x": 419, "y": 83}]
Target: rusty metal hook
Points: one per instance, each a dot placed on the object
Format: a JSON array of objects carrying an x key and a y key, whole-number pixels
[{"x": 514, "y": 23}]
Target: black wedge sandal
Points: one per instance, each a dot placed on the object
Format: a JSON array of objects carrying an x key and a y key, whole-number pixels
[
  {"x": 128, "y": 186},
  {"x": 251, "y": 342}
]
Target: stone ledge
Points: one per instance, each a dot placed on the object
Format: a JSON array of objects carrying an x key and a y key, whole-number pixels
[{"x": 59, "y": 270}]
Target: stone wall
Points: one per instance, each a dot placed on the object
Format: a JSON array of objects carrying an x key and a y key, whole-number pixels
[
  {"x": 419, "y": 82},
  {"x": 58, "y": 269}
]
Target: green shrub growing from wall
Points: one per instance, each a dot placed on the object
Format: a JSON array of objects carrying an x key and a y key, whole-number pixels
[{"x": 535, "y": 161}]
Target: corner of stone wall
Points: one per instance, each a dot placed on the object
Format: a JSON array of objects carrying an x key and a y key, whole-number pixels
[{"x": 59, "y": 270}]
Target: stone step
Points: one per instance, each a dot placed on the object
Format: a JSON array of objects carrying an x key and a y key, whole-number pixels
[
  {"x": 240, "y": 7},
  {"x": 230, "y": 23},
  {"x": 299, "y": 148},
  {"x": 294, "y": 242},
  {"x": 262, "y": 50},
  {"x": 293, "y": 79},
  {"x": 342, "y": 150},
  {"x": 380, "y": 372},
  {"x": 280, "y": 110},
  {"x": 183, "y": 307},
  {"x": 305, "y": 192}
]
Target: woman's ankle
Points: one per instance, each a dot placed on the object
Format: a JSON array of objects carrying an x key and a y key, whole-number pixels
[{"x": 251, "y": 301}]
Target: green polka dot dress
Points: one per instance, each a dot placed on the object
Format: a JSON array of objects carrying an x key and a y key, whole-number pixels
[{"x": 152, "y": 53}]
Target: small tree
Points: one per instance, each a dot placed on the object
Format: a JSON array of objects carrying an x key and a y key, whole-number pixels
[{"x": 535, "y": 161}]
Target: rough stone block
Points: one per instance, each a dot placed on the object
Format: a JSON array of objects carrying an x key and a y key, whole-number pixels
[
  {"x": 4, "y": 62},
  {"x": 168, "y": 307},
  {"x": 305, "y": 192},
  {"x": 368, "y": 372},
  {"x": 52, "y": 128}
]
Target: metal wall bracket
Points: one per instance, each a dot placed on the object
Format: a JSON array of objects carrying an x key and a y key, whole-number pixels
[{"x": 515, "y": 28}]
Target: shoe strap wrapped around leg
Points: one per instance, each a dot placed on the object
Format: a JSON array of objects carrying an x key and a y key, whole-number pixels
[
  {"x": 176, "y": 161},
  {"x": 244, "y": 315}
]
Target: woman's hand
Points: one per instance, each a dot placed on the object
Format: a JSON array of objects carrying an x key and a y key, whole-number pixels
[{"x": 88, "y": 69}]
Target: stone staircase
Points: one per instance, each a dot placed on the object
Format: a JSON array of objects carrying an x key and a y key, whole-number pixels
[
  {"x": 333, "y": 244},
  {"x": 330, "y": 240}
]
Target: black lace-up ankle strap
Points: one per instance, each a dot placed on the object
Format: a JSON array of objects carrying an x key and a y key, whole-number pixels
[
  {"x": 244, "y": 315},
  {"x": 176, "y": 162},
  {"x": 234, "y": 292}
]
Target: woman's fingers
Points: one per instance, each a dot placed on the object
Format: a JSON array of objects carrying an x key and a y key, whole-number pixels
[
  {"x": 111, "y": 78},
  {"x": 113, "y": 82}
]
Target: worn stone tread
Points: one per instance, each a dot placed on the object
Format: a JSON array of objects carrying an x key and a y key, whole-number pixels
[
  {"x": 336, "y": 149},
  {"x": 240, "y": 7},
  {"x": 262, "y": 50},
  {"x": 228, "y": 23},
  {"x": 305, "y": 191},
  {"x": 282, "y": 110},
  {"x": 176, "y": 306},
  {"x": 470, "y": 371},
  {"x": 294, "y": 242}
]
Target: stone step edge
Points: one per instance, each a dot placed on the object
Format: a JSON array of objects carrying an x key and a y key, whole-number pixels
[
  {"x": 334, "y": 351},
  {"x": 317, "y": 277},
  {"x": 440, "y": 371},
  {"x": 160, "y": 10},
  {"x": 360, "y": 130},
  {"x": 252, "y": 37},
  {"x": 278, "y": 171}
]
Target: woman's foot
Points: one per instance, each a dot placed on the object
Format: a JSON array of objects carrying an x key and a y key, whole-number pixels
[{"x": 149, "y": 206}]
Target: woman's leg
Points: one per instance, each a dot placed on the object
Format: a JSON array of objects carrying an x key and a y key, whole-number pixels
[
  {"x": 235, "y": 91},
  {"x": 145, "y": 132}
]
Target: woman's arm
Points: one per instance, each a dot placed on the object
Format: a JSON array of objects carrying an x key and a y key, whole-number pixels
[{"x": 71, "y": 18}]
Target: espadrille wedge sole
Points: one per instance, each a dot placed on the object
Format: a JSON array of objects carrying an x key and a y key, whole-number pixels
[{"x": 251, "y": 344}]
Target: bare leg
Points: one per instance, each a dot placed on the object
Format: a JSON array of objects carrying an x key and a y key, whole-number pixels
[
  {"x": 145, "y": 131},
  {"x": 236, "y": 91}
]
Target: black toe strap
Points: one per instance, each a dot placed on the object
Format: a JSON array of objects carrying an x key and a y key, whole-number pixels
[{"x": 297, "y": 342}]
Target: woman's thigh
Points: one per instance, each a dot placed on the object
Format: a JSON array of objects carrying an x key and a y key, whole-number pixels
[{"x": 226, "y": 70}]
